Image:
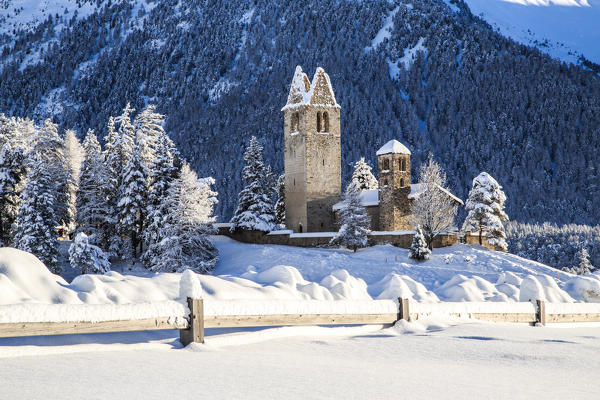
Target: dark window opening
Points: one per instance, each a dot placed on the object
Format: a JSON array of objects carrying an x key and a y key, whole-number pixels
[
  {"x": 300, "y": 228},
  {"x": 385, "y": 182},
  {"x": 323, "y": 162},
  {"x": 402, "y": 182},
  {"x": 386, "y": 164},
  {"x": 403, "y": 165},
  {"x": 318, "y": 122},
  {"x": 325, "y": 122},
  {"x": 295, "y": 125}
]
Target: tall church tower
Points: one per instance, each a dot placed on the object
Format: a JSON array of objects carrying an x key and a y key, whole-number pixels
[
  {"x": 393, "y": 170},
  {"x": 313, "y": 175}
]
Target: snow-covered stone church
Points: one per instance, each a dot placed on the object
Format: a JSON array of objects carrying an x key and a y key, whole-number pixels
[{"x": 312, "y": 162}]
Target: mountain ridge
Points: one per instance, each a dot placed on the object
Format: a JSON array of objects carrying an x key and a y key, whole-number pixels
[{"x": 440, "y": 81}]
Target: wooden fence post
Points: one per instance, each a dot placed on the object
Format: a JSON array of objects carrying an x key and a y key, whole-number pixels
[
  {"x": 540, "y": 314},
  {"x": 195, "y": 331},
  {"x": 403, "y": 311}
]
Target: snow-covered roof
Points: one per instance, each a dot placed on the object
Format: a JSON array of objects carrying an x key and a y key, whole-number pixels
[
  {"x": 302, "y": 90},
  {"x": 417, "y": 189},
  {"x": 369, "y": 198},
  {"x": 393, "y": 147}
]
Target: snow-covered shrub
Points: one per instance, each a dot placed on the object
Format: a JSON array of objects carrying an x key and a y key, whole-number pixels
[
  {"x": 354, "y": 222},
  {"x": 87, "y": 257},
  {"x": 418, "y": 250}
]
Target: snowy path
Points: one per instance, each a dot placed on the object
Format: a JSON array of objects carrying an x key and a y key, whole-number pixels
[{"x": 465, "y": 360}]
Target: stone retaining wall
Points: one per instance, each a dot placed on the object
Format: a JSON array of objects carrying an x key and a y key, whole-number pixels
[{"x": 401, "y": 239}]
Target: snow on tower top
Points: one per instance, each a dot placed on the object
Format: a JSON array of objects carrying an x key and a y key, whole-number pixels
[
  {"x": 393, "y": 147},
  {"x": 302, "y": 92}
]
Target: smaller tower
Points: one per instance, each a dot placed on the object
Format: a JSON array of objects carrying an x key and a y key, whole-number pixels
[{"x": 393, "y": 171}]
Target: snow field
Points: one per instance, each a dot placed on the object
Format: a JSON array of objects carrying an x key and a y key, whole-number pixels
[
  {"x": 249, "y": 276},
  {"x": 431, "y": 358}
]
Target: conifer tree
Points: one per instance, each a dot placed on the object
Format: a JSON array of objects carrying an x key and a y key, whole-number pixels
[
  {"x": 87, "y": 257},
  {"x": 188, "y": 219},
  {"x": 486, "y": 211},
  {"x": 255, "y": 210},
  {"x": 354, "y": 222},
  {"x": 12, "y": 179},
  {"x": 36, "y": 225},
  {"x": 280, "y": 204},
  {"x": 132, "y": 201},
  {"x": 162, "y": 174},
  {"x": 113, "y": 168},
  {"x": 362, "y": 178},
  {"x": 418, "y": 249},
  {"x": 583, "y": 266},
  {"x": 48, "y": 147},
  {"x": 148, "y": 131},
  {"x": 74, "y": 156},
  {"x": 94, "y": 214}
]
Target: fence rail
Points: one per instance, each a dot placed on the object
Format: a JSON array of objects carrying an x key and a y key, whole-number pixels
[{"x": 192, "y": 328}]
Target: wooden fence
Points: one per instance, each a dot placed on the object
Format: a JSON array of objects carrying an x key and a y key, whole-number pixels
[{"x": 192, "y": 328}]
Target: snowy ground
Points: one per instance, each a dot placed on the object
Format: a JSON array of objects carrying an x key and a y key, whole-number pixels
[
  {"x": 429, "y": 358},
  {"x": 261, "y": 272},
  {"x": 437, "y": 359}
]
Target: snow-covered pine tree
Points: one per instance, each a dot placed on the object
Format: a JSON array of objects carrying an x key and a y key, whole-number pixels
[
  {"x": 255, "y": 210},
  {"x": 433, "y": 210},
  {"x": 271, "y": 186},
  {"x": 48, "y": 147},
  {"x": 280, "y": 204},
  {"x": 74, "y": 156},
  {"x": 418, "y": 249},
  {"x": 583, "y": 266},
  {"x": 113, "y": 168},
  {"x": 87, "y": 257},
  {"x": 188, "y": 220},
  {"x": 148, "y": 131},
  {"x": 362, "y": 178},
  {"x": 36, "y": 226},
  {"x": 354, "y": 222},
  {"x": 94, "y": 214},
  {"x": 486, "y": 211},
  {"x": 12, "y": 179},
  {"x": 133, "y": 192},
  {"x": 162, "y": 173}
]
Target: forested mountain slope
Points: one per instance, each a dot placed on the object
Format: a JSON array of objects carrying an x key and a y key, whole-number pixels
[{"x": 423, "y": 72}]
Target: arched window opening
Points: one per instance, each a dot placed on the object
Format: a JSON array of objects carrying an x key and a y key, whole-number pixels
[
  {"x": 300, "y": 227},
  {"x": 385, "y": 182},
  {"x": 386, "y": 164},
  {"x": 403, "y": 165},
  {"x": 401, "y": 182},
  {"x": 318, "y": 122},
  {"x": 325, "y": 122},
  {"x": 295, "y": 122}
]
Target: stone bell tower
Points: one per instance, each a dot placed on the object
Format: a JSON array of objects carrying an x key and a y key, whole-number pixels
[
  {"x": 393, "y": 166},
  {"x": 312, "y": 153}
]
